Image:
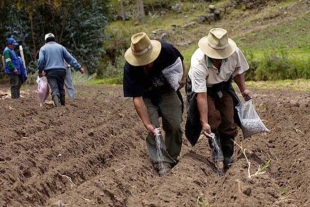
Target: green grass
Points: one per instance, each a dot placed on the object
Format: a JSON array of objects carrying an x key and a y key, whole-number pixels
[
  {"x": 274, "y": 38},
  {"x": 292, "y": 36},
  {"x": 292, "y": 85}
]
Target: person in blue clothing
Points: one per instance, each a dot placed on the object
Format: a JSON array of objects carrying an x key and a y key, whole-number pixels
[
  {"x": 13, "y": 66},
  {"x": 51, "y": 61},
  {"x": 69, "y": 82}
]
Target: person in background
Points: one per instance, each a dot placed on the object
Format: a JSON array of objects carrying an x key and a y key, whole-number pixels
[
  {"x": 153, "y": 96},
  {"x": 211, "y": 99},
  {"x": 13, "y": 67},
  {"x": 51, "y": 60},
  {"x": 69, "y": 82}
]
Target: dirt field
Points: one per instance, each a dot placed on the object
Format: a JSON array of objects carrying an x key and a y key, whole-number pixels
[{"x": 92, "y": 153}]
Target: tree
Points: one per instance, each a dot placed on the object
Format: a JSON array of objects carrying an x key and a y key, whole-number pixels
[
  {"x": 77, "y": 24},
  {"x": 140, "y": 8}
]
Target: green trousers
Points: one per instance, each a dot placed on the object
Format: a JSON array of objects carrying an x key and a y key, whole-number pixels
[
  {"x": 15, "y": 83},
  {"x": 170, "y": 111}
]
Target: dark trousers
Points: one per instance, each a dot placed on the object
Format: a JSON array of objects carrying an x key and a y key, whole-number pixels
[
  {"x": 15, "y": 83},
  {"x": 170, "y": 110},
  {"x": 56, "y": 79},
  {"x": 221, "y": 120},
  {"x": 222, "y": 115}
]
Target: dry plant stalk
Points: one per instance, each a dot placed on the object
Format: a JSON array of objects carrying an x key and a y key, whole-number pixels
[
  {"x": 68, "y": 179},
  {"x": 259, "y": 170}
]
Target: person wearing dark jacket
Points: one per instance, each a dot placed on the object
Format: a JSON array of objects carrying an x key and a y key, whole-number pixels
[
  {"x": 154, "y": 97},
  {"x": 13, "y": 67},
  {"x": 211, "y": 99},
  {"x": 51, "y": 60}
]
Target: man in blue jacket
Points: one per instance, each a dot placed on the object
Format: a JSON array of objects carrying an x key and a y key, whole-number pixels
[
  {"x": 12, "y": 67},
  {"x": 51, "y": 60}
]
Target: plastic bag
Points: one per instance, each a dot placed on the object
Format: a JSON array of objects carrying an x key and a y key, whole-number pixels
[
  {"x": 174, "y": 73},
  {"x": 250, "y": 121},
  {"x": 42, "y": 89}
]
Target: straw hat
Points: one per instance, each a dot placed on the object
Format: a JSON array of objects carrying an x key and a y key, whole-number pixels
[
  {"x": 217, "y": 45},
  {"x": 142, "y": 50}
]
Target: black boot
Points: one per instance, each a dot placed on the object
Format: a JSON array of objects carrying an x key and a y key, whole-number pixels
[
  {"x": 14, "y": 93},
  {"x": 56, "y": 101},
  {"x": 18, "y": 92},
  {"x": 228, "y": 151},
  {"x": 62, "y": 100}
]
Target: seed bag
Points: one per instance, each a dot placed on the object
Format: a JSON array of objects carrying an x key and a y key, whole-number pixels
[
  {"x": 42, "y": 89},
  {"x": 250, "y": 121},
  {"x": 173, "y": 73}
]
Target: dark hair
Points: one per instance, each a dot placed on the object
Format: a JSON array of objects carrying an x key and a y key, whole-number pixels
[{"x": 50, "y": 39}]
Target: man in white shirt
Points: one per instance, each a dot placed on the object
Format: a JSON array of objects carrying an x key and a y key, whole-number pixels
[{"x": 211, "y": 99}]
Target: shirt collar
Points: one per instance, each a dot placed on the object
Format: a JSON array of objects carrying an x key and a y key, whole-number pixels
[{"x": 210, "y": 64}]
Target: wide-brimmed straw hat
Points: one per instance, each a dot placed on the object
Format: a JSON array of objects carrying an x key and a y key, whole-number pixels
[
  {"x": 217, "y": 45},
  {"x": 142, "y": 50}
]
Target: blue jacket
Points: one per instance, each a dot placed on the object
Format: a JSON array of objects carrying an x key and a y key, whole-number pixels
[
  {"x": 52, "y": 56},
  {"x": 14, "y": 59}
]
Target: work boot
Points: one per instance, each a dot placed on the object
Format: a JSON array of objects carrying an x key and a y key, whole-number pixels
[
  {"x": 18, "y": 92},
  {"x": 62, "y": 100},
  {"x": 14, "y": 93},
  {"x": 56, "y": 101},
  {"x": 228, "y": 151},
  {"x": 228, "y": 162}
]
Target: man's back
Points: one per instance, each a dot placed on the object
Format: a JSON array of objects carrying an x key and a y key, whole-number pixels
[{"x": 51, "y": 56}]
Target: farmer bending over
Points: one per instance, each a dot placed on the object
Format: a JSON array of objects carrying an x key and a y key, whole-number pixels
[
  {"x": 211, "y": 99},
  {"x": 154, "y": 97}
]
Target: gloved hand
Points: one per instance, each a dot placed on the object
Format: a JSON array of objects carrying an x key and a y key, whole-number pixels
[{"x": 247, "y": 95}]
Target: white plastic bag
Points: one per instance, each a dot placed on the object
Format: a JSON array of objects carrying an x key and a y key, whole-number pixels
[
  {"x": 42, "y": 89},
  {"x": 250, "y": 121},
  {"x": 174, "y": 73}
]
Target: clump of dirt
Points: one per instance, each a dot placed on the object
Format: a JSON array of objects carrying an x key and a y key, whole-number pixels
[{"x": 92, "y": 153}]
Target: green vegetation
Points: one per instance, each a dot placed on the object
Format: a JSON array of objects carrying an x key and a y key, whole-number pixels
[
  {"x": 78, "y": 25},
  {"x": 274, "y": 37}
]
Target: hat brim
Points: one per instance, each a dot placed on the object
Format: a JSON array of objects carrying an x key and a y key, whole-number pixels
[
  {"x": 214, "y": 53},
  {"x": 146, "y": 58}
]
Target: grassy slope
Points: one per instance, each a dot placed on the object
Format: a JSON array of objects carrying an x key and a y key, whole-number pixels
[{"x": 276, "y": 26}]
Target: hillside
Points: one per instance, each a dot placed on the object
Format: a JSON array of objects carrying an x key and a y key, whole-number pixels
[{"x": 258, "y": 28}]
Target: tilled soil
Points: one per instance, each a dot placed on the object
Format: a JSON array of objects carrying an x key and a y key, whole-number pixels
[{"x": 92, "y": 153}]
